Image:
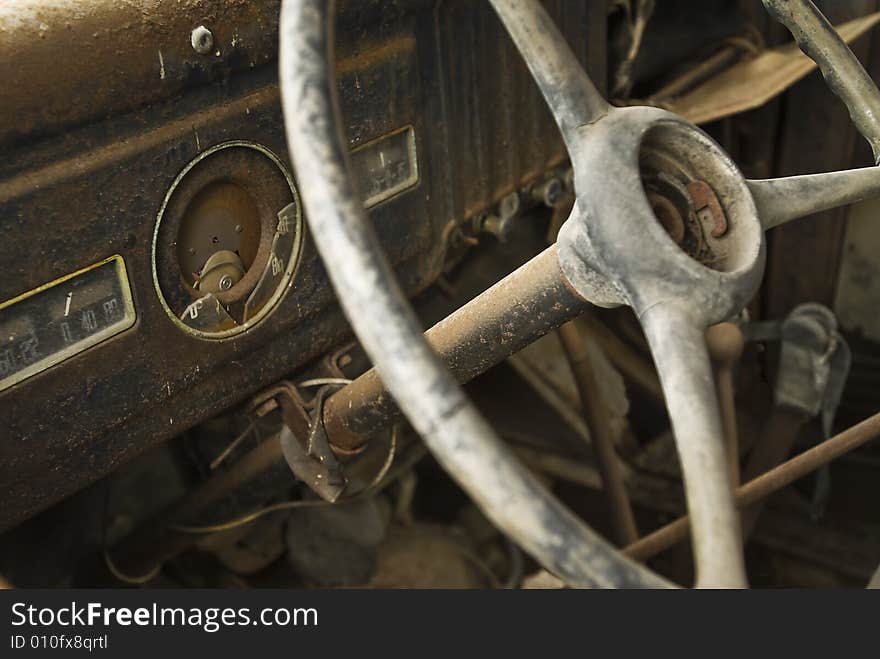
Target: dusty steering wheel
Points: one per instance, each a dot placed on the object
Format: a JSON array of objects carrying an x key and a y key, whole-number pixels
[{"x": 617, "y": 247}]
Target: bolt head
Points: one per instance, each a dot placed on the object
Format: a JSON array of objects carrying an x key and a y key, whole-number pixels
[
  {"x": 552, "y": 192},
  {"x": 509, "y": 205},
  {"x": 202, "y": 40},
  {"x": 225, "y": 283}
]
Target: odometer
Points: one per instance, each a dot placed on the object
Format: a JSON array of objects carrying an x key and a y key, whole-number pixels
[{"x": 58, "y": 320}]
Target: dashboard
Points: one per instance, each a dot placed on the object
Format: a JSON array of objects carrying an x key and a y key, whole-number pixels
[{"x": 157, "y": 267}]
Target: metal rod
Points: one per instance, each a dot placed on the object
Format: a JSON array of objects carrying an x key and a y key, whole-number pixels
[
  {"x": 522, "y": 307},
  {"x": 777, "y": 439},
  {"x": 764, "y": 485},
  {"x": 595, "y": 413},
  {"x": 678, "y": 343},
  {"x": 780, "y": 200},
  {"x": 725, "y": 342},
  {"x": 633, "y": 366},
  {"x": 568, "y": 90}
]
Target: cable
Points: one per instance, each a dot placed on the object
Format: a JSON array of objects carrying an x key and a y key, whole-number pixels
[
  {"x": 255, "y": 515},
  {"x": 418, "y": 452},
  {"x": 124, "y": 578},
  {"x": 389, "y": 460},
  {"x": 478, "y": 563},
  {"x": 232, "y": 446}
]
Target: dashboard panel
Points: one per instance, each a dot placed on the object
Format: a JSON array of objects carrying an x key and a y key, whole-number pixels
[{"x": 437, "y": 134}]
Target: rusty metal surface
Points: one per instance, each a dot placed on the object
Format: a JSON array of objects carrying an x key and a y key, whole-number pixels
[
  {"x": 67, "y": 63},
  {"x": 725, "y": 342},
  {"x": 527, "y": 304},
  {"x": 470, "y": 37},
  {"x": 73, "y": 199},
  {"x": 243, "y": 184}
]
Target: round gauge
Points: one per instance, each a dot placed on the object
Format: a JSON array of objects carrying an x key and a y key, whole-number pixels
[{"x": 227, "y": 240}]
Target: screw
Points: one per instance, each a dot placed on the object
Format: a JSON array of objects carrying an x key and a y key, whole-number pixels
[
  {"x": 238, "y": 228},
  {"x": 202, "y": 40},
  {"x": 225, "y": 283}
]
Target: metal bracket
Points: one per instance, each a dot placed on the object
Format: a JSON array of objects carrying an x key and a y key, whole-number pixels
[
  {"x": 304, "y": 440},
  {"x": 814, "y": 363}
]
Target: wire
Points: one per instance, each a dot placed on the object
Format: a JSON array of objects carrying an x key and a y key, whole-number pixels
[
  {"x": 232, "y": 446},
  {"x": 124, "y": 578},
  {"x": 389, "y": 460},
  {"x": 418, "y": 452},
  {"x": 111, "y": 566},
  {"x": 478, "y": 563},
  {"x": 255, "y": 515}
]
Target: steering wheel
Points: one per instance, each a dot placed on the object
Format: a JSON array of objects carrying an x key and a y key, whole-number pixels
[{"x": 663, "y": 222}]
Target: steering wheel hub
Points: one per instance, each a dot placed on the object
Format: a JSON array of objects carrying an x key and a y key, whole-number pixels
[{"x": 663, "y": 214}]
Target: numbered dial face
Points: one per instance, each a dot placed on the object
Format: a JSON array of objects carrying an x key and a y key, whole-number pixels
[
  {"x": 227, "y": 240},
  {"x": 63, "y": 318}
]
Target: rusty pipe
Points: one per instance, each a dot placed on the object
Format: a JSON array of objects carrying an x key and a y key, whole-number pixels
[
  {"x": 764, "y": 485},
  {"x": 775, "y": 444},
  {"x": 524, "y": 306}
]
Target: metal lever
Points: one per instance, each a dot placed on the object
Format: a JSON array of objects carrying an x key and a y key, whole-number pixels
[
  {"x": 595, "y": 412},
  {"x": 304, "y": 439}
]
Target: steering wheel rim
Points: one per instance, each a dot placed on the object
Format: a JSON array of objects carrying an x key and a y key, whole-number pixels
[{"x": 463, "y": 443}]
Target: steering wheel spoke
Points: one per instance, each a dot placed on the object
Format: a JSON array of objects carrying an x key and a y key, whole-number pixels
[
  {"x": 677, "y": 341},
  {"x": 781, "y": 200},
  {"x": 568, "y": 90}
]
